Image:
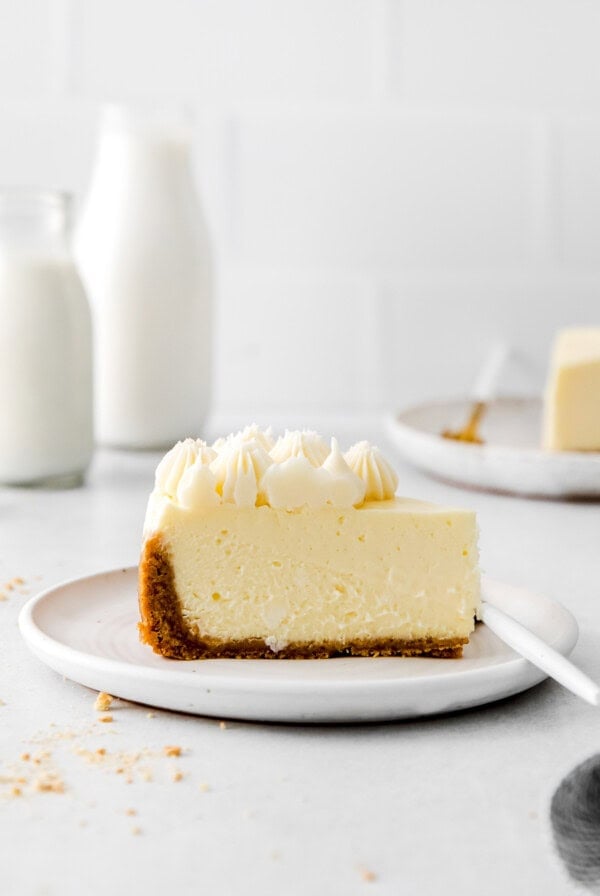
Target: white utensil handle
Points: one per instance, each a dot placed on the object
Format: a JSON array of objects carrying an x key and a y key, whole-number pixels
[
  {"x": 489, "y": 376},
  {"x": 539, "y": 653}
]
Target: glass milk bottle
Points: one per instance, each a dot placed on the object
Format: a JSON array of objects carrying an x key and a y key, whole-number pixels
[
  {"x": 46, "y": 433},
  {"x": 143, "y": 249}
]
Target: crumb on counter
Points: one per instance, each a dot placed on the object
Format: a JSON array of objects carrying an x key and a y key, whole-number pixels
[
  {"x": 12, "y": 584},
  {"x": 103, "y": 702},
  {"x": 34, "y": 771},
  {"x": 367, "y": 875},
  {"x": 49, "y": 782},
  {"x": 203, "y": 787},
  {"x": 222, "y": 726},
  {"x": 41, "y": 757}
]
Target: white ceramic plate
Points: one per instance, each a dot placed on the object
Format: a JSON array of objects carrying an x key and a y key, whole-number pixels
[
  {"x": 86, "y": 629},
  {"x": 510, "y": 460}
]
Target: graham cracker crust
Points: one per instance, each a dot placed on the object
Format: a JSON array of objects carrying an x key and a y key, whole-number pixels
[{"x": 163, "y": 627}]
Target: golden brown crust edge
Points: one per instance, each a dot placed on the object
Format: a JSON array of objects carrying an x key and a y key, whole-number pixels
[{"x": 162, "y": 627}]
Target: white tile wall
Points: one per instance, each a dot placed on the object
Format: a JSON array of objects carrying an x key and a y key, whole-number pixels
[
  {"x": 378, "y": 191},
  {"x": 320, "y": 328},
  {"x": 49, "y": 144},
  {"x": 226, "y": 51},
  {"x": 438, "y": 330},
  {"x": 392, "y": 184},
  {"x": 28, "y": 40},
  {"x": 579, "y": 190},
  {"x": 512, "y": 53}
]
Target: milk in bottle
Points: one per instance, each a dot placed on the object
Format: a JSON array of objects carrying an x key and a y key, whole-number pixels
[
  {"x": 45, "y": 345},
  {"x": 143, "y": 250}
]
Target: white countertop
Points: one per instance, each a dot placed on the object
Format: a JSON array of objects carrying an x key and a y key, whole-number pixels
[{"x": 455, "y": 804}]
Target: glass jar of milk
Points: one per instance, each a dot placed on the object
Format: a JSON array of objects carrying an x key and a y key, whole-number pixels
[
  {"x": 143, "y": 249},
  {"x": 46, "y": 435}
]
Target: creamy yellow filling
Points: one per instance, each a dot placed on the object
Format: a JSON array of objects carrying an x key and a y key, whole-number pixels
[
  {"x": 572, "y": 405},
  {"x": 388, "y": 569}
]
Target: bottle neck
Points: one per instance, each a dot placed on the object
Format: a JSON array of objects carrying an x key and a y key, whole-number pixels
[
  {"x": 146, "y": 140},
  {"x": 147, "y": 149}
]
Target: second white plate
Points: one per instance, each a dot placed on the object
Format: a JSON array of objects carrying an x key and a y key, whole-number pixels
[
  {"x": 510, "y": 460},
  {"x": 86, "y": 630}
]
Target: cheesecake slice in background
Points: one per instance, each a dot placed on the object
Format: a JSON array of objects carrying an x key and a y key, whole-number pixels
[
  {"x": 572, "y": 401},
  {"x": 289, "y": 549}
]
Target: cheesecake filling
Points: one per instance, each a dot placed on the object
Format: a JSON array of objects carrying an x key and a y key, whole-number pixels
[
  {"x": 397, "y": 569},
  {"x": 572, "y": 399}
]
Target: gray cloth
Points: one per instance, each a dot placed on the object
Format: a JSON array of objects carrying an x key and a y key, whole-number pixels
[{"x": 575, "y": 817}]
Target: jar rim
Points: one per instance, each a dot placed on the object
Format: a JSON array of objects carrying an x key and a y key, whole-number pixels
[{"x": 39, "y": 196}]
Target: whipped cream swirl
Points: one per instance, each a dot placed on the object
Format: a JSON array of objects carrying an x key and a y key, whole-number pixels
[
  {"x": 302, "y": 444},
  {"x": 176, "y": 461},
  {"x": 378, "y": 475},
  {"x": 251, "y": 433},
  {"x": 239, "y": 469},
  {"x": 250, "y": 468}
]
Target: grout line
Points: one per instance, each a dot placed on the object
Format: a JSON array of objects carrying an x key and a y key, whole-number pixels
[
  {"x": 71, "y": 48},
  {"x": 232, "y": 184},
  {"x": 390, "y": 107},
  {"x": 380, "y": 45},
  {"x": 367, "y": 368},
  {"x": 539, "y": 274},
  {"x": 59, "y": 39},
  {"x": 382, "y": 338},
  {"x": 542, "y": 192},
  {"x": 556, "y": 197}
]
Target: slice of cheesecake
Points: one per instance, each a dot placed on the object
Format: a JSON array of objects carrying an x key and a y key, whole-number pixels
[
  {"x": 572, "y": 403},
  {"x": 255, "y": 549}
]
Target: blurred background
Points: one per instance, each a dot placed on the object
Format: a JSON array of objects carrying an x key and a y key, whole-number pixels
[{"x": 391, "y": 185}]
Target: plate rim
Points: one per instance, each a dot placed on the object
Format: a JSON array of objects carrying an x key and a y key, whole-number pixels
[
  {"x": 44, "y": 646},
  {"x": 524, "y": 470},
  {"x": 393, "y": 419}
]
